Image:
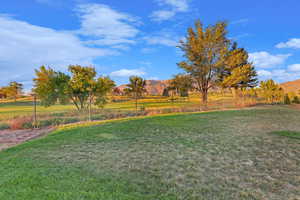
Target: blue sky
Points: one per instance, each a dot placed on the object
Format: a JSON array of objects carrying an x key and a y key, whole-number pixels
[{"x": 139, "y": 37}]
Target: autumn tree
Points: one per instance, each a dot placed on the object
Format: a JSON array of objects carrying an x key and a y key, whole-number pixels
[
  {"x": 13, "y": 90},
  {"x": 3, "y": 93},
  {"x": 136, "y": 88},
  {"x": 205, "y": 51},
  {"x": 82, "y": 88},
  {"x": 271, "y": 91},
  {"x": 237, "y": 72},
  {"x": 182, "y": 84}
]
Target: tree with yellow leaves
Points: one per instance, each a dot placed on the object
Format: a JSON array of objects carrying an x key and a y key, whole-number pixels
[{"x": 205, "y": 51}]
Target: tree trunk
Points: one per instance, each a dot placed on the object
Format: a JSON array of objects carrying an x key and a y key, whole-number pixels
[
  {"x": 34, "y": 112},
  {"x": 90, "y": 110},
  {"x": 204, "y": 98},
  {"x": 136, "y": 104}
]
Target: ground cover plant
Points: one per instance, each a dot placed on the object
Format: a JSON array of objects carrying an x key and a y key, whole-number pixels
[{"x": 216, "y": 155}]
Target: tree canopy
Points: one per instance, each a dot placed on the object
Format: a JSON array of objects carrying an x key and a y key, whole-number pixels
[
  {"x": 211, "y": 62},
  {"x": 82, "y": 88},
  {"x": 136, "y": 88},
  {"x": 182, "y": 84}
]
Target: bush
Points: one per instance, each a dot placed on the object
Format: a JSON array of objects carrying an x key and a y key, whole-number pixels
[
  {"x": 286, "y": 99},
  {"x": 4, "y": 126},
  {"x": 19, "y": 122},
  {"x": 27, "y": 125}
]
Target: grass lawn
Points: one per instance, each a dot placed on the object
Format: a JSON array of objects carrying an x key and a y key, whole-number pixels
[{"x": 217, "y": 155}]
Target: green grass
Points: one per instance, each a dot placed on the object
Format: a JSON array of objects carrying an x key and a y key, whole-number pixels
[
  {"x": 217, "y": 155},
  {"x": 290, "y": 134}
]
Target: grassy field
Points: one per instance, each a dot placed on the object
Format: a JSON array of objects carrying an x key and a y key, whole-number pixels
[
  {"x": 24, "y": 107},
  {"x": 21, "y": 111},
  {"x": 247, "y": 154}
]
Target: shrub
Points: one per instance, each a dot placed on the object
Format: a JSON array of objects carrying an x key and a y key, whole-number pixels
[
  {"x": 4, "y": 126},
  {"x": 18, "y": 123},
  {"x": 286, "y": 99},
  {"x": 70, "y": 120},
  {"x": 27, "y": 125}
]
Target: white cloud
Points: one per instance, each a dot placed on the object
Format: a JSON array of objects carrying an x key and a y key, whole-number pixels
[
  {"x": 127, "y": 73},
  {"x": 25, "y": 47},
  {"x": 266, "y": 60},
  {"x": 264, "y": 73},
  {"x": 280, "y": 75},
  {"x": 159, "y": 40},
  {"x": 292, "y": 43},
  {"x": 164, "y": 38},
  {"x": 107, "y": 26},
  {"x": 162, "y": 15},
  {"x": 148, "y": 50},
  {"x": 294, "y": 68},
  {"x": 175, "y": 6}
]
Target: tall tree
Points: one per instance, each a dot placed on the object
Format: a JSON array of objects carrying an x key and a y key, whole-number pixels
[
  {"x": 205, "y": 51},
  {"x": 136, "y": 88},
  {"x": 51, "y": 86},
  {"x": 237, "y": 72}
]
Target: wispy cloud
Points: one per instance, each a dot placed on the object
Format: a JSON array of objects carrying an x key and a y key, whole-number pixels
[
  {"x": 240, "y": 21},
  {"x": 165, "y": 38},
  {"x": 293, "y": 43},
  {"x": 128, "y": 72},
  {"x": 173, "y": 7},
  {"x": 294, "y": 68},
  {"x": 106, "y": 25}
]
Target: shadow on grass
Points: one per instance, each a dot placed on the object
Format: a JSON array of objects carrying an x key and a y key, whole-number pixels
[{"x": 290, "y": 134}]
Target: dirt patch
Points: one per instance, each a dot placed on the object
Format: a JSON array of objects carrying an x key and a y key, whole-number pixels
[{"x": 9, "y": 138}]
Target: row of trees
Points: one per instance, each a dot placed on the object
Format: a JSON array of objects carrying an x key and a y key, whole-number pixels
[
  {"x": 82, "y": 87},
  {"x": 13, "y": 90}
]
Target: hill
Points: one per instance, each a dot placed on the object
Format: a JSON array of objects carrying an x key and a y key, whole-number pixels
[{"x": 291, "y": 86}]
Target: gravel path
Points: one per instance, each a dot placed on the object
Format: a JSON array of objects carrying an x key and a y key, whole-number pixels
[{"x": 9, "y": 138}]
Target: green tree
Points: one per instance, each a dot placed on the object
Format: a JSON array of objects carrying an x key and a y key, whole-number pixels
[
  {"x": 136, "y": 88},
  {"x": 82, "y": 88},
  {"x": 182, "y": 84},
  {"x": 287, "y": 99},
  {"x": 205, "y": 51},
  {"x": 51, "y": 86}
]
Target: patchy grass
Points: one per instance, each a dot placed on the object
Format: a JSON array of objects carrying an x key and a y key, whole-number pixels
[
  {"x": 217, "y": 155},
  {"x": 290, "y": 134}
]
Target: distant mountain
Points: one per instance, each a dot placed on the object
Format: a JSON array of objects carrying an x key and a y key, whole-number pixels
[
  {"x": 291, "y": 86},
  {"x": 153, "y": 87}
]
